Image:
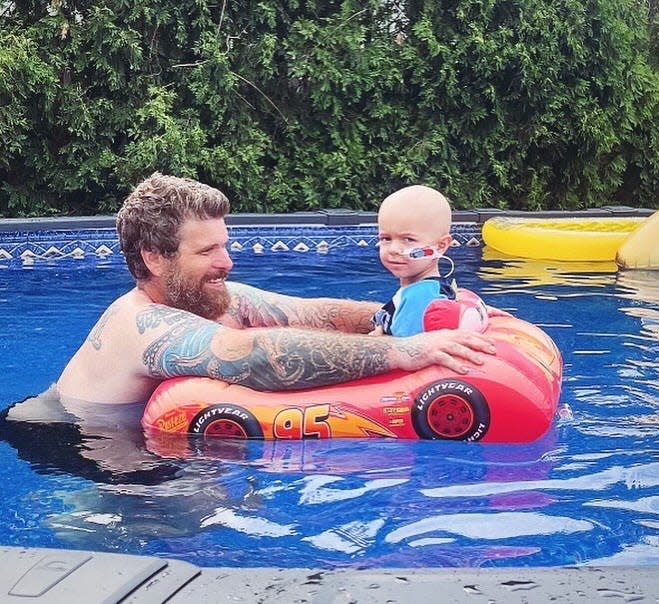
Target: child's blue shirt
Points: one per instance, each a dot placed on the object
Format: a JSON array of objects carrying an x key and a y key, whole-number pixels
[{"x": 403, "y": 314}]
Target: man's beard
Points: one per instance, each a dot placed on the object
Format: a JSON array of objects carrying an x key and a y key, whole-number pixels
[{"x": 189, "y": 294}]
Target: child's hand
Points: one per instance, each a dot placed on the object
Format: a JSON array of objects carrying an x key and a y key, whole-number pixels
[{"x": 378, "y": 331}]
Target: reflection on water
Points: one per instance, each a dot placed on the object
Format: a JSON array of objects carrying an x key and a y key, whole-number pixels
[
  {"x": 526, "y": 272},
  {"x": 588, "y": 492},
  {"x": 454, "y": 505},
  {"x": 641, "y": 286}
]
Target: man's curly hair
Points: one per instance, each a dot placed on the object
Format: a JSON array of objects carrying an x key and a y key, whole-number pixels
[{"x": 152, "y": 215}]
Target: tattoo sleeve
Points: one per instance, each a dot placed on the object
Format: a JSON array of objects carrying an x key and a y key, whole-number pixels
[
  {"x": 184, "y": 349},
  {"x": 292, "y": 359},
  {"x": 252, "y": 307},
  {"x": 263, "y": 359}
]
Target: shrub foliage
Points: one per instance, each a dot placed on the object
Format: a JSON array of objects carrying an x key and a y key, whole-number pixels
[{"x": 304, "y": 104}]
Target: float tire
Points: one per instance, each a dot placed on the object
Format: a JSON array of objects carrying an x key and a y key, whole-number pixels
[
  {"x": 450, "y": 410},
  {"x": 225, "y": 420}
]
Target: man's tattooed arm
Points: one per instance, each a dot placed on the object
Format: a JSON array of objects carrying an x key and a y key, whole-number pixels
[
  {"x": 281, "y": 358},
  {"x": 252, "y": 307},
  {"x": 292, "y": 359},
  {"x": 263, "y": 359}
]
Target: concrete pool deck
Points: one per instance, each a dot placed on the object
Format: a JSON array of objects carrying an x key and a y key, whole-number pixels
[
  {"x": 68, "y": 576},
  {"x": 46, "y": 576}
]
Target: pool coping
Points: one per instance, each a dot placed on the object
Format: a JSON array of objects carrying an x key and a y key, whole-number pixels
[
  {"x": 27, "y": 240},
  {"x": 61, "y": 576},
  {"x": 335, "y": 217}
]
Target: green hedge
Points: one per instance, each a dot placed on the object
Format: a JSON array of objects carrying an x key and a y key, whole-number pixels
[{"x": 298, "y": 105}]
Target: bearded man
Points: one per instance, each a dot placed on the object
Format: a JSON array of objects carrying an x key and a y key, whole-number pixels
[{"x": 184, "y": 318}]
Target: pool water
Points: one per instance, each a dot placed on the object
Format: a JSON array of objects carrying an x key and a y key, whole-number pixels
[{"x": 586, "y": 493}]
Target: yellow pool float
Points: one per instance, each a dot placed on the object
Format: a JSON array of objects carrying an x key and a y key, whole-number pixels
[
  {"x": 641, "y": 249},
  {"x": 572, "y": 239}
]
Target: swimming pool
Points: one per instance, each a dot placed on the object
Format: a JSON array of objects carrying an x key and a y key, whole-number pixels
[{"x": 587, "y": 493}]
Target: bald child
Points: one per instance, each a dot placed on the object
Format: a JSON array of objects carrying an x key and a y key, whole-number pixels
[{"x": 414, "y": 226}]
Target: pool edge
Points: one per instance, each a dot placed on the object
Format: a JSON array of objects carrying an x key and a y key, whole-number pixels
[
  {"x": 337, "y": 217},
  {"x": 61, "y": 576}
]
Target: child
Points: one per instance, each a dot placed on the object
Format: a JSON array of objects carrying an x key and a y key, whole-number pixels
[{"x": 414, "y": 226}]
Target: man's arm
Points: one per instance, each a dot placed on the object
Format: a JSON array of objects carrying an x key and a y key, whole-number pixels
[
  {"x": 253, "y": 307},
  {"x": 289, "y": 358}
]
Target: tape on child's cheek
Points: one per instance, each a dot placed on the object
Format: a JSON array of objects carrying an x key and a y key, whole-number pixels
[{"x": 422, "y": 253}]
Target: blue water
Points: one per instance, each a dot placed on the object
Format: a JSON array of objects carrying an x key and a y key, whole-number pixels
[{"x": 587, "y": 493}]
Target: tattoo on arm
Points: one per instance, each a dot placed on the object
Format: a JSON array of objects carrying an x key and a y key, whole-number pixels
[
  {"x": 96, "y": 333},
  {"x": 296, "y": 359},
  {"x": 184, "y": 349},
  {"x": 250, "y": 309},
  {"x": 256, "y": 308},
  {"x": 266, "y": 359}
]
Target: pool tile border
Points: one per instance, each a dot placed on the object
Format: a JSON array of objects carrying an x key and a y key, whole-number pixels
[
  {"x": 29, "y": 246},
  {"x": 30, "y": 239}
]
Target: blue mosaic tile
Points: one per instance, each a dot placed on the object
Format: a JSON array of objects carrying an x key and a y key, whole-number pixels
[{"x": 29, "y": 246}]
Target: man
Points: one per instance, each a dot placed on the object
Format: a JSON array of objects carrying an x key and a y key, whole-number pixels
[{"x": 183, "y": 318}]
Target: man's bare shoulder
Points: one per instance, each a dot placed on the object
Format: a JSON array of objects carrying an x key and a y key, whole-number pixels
[
  {"x": 132, "y": 301},
  {"x": 118, "y": 317},
  {"x": 135, "y": 315}
]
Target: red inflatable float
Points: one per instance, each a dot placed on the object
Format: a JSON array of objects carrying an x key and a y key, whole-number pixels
[{"x": 512, "y": 398}]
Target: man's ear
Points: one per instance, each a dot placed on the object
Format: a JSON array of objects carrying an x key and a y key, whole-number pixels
[
  {"x": 154, "y": 261},
  {"x": 444, "y": 243}
]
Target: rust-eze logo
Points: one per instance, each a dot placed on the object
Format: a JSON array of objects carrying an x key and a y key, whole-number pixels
[
  {"x": 173, "y": 421},
  {"x": 396, "y": 422}
]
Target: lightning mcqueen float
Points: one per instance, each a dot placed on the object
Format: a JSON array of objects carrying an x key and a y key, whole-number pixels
[{"x": 511, "y": 398}]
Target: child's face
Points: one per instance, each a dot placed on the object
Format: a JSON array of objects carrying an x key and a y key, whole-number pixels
[{"x": 402, "y": 229}]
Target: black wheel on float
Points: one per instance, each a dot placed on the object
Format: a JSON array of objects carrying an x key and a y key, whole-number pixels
[
  {"x": 450, "y": 410},
  {"x": 225, "y": 421}
]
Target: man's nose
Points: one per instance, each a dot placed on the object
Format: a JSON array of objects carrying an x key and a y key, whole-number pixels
[{"x": 223, "y": 260}]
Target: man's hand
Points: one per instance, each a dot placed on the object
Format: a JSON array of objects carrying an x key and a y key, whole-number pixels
[{"x": 451, "y": 348}]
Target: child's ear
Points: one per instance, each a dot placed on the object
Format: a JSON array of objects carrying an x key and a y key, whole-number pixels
[{"x": 444, "y": 243}]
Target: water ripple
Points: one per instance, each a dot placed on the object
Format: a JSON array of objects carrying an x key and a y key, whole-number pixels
[
  {"x": 503, "y": 525},
  {"x": 636, "y": 477}
]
